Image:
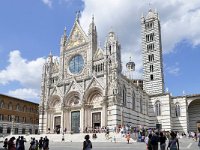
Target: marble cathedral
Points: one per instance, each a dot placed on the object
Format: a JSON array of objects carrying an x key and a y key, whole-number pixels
[{"x": 86, "y": 87}]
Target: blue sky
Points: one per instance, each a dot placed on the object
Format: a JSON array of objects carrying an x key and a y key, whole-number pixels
[{"x": 29, "y": 30}]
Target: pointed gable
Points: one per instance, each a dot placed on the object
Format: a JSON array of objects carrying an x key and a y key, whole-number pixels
[
  {"x": 99, "y": 54},
  {"x": 77, "y": 36}
]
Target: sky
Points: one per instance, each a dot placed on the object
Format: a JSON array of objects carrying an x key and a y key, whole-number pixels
[{"x": 29, "y": 30}]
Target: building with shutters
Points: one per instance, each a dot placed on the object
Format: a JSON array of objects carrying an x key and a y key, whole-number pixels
[{"x": 18, "y": 116}]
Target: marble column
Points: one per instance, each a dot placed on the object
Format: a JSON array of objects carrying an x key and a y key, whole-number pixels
[
  {"x": 82, "y": 119},
  {"x": 104, "y": 114}
]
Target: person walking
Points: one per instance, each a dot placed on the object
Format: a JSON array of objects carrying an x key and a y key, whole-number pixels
[
  {"x": 128, "y": 137},
  {"x": 173, "y": 142},
  {"x": 87, "y": 144},
  {"x": 162, "y": 141},
  {"x": 5, "y": 144}
]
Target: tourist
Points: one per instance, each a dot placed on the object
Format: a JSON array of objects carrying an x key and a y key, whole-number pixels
[
  {"x": 162, "y": 141},
  {"x": 21, "y": 143},
  {"x": 32, "y": 144},
  {"x": 199, "y": 140},
  {"x": 128, "y": 137},
  {"x": 11, "y": 144},
  {"x": 154, "y": 141},
  {"x": 46, "y": 143},
  {"x": 87, "y": 144},
  {"x": 5, "y": 143},
  {"x": 41, "y": 143},
  {"x": 17, "y": 143},
  {"x": 173, "y": 142},
  {"x": 149, "y": 147}
]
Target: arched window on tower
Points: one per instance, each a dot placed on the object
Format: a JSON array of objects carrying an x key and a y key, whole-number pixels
[
  {"x": 141, "y": 104},
  {"x": 110, "y": 49},
  {"x": 177, "y": 110},
  {"x": 151, "y": 77},
  {"x": 133, "y": 100},
  {"x": 157, "y": 108},
  {"x": 124, "y": 96}
]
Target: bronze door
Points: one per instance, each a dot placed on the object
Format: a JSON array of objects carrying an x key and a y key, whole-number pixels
[{"x": 75, "y": 121}]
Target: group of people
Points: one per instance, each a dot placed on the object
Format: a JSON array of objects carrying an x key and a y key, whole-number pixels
[
  {"x": 153, "y": 139},
  {"x": 42, "y": 144}
]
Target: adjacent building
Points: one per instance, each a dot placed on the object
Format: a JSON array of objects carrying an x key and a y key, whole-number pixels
[
  {"x": 85, "y": 88},
  {"x": 18, "y": 116}
]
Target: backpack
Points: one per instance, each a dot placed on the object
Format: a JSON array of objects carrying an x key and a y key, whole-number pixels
[{"x": 154, "y": 140}]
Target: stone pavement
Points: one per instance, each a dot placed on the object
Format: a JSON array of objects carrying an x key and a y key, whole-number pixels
[{"x": 185, "y": 144}]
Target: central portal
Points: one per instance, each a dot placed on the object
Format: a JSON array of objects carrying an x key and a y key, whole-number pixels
[
  {"x": 96, "y": 120},
  {"x": 75, "y": 121}
]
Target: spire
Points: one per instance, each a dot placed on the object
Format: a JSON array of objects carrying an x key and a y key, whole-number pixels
[
  {"x": 77, "y": 16},
  {"x": 65, "y": 29},
  {"x": 63, "y": 37},
  {"x": 92, "y": 26},
  {"x": 50, "y": 58}
]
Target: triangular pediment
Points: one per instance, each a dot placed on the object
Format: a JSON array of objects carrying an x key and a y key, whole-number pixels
[
  {"x": 94, "y": 83},
  {"x": 77, "y": 36},
  {"x": 99, "y": 54}
]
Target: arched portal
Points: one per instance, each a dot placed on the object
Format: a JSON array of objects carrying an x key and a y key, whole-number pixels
[
  {"x": 93, "y": 102},
  {"x": 54, "y": 114},
  {"x": 194, "y": 115},
  {"x": 73, "y": 101}
]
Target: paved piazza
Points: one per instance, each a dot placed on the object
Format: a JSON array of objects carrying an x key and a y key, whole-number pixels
[{"x": 185, "y": 144}]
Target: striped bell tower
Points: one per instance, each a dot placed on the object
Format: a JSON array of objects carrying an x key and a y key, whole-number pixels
[{"x": 152, "y": 54}]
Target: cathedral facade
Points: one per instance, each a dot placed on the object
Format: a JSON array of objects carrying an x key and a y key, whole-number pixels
[{"x": 85, "y": 88}]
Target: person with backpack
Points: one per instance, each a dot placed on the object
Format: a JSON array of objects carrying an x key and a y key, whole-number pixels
[
  {"x": 173, "y": 142},
  {"x": 154, "y": 141},
  {"x": 87, "y": 144},
  {"x": 162, "y": 141}
]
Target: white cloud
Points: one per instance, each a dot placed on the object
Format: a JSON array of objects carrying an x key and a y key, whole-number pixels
[
  {"x": 27, "y": 73},
  {"x": 47, "y": 2},
  {"x": 27, "y": 94},
  {"x": 179, "y": 21},
  {"x": 173, "y": 70}
]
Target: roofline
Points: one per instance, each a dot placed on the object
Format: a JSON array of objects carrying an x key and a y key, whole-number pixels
[{"x": 18, "y": 99}]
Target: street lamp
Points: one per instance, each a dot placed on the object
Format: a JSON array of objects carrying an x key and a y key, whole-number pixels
[{"x": 13, "y": 119}]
